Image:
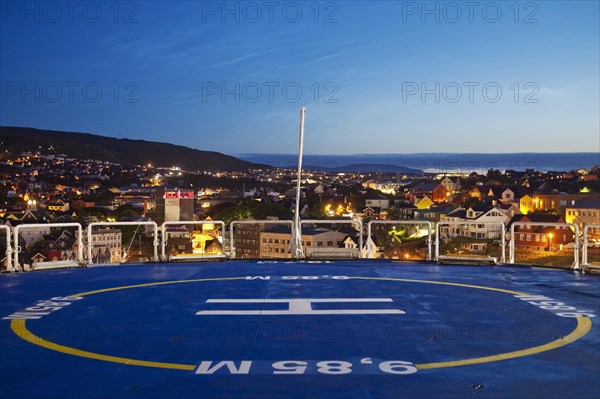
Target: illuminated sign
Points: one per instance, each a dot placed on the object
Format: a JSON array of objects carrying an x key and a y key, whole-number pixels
[{"x": 179, "y": 194}]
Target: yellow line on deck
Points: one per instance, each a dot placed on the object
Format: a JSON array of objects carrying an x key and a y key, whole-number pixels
[
  {"x": 584, "y": 325},
  {"x": 479, "y": 287},
  {"x": 153, "y": 284},
  {"x": 20, "y": 329}
]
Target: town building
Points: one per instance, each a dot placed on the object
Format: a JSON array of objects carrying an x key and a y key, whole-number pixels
[
  {"x": 174, "y": 205},
  {"x": 106, "y": 245},
  {"x": 585, "y": 212},
  {"x": 275, "y": 241},
  {"x": 550, "y": 238}
]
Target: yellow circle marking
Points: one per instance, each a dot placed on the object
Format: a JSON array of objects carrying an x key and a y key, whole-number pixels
[{"x": 18, "y": 326}]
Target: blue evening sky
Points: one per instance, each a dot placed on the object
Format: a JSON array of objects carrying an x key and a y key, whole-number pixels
[{"x": 231, "y": 77}]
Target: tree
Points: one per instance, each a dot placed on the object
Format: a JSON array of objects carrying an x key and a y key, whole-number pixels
[
  {"x": 470, "y": 202},
  {"x": 494, "y": 174}
]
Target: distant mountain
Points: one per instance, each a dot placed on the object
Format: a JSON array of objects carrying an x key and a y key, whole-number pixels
[
  {"x": 367, "y": 168},
  {"x": 435, "y": 162},
  {"x": 123, "y": 151}
]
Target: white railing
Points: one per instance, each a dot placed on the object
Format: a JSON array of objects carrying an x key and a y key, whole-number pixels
[
  {"x": 251, "y": 222},
  {"x": 8, "y": 248},
  {"x": 95, "y": 224},
  {"x": 407, "y": 222},
  {"x": 500, "y": 231},
  {"x": 350, "y": 222},
  {"x": 163, "y": 240},
  {"x": 48, "y": 265},
  {"x": 14, "y": 249},
  {"x": 584, "y": 250},
  {"x": 575, "y": 231}
]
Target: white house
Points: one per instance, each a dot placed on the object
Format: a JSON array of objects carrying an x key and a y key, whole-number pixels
[
  {"x": 482, "y": 221},
  {"x": 382, "y": 203},
  {"x": 451, "y": 184}
]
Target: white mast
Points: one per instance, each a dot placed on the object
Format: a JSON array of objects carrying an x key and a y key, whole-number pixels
[{"x": 297, "y": 250}]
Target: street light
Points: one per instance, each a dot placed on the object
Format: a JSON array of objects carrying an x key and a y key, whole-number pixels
[{"x": 549, "y": 241}]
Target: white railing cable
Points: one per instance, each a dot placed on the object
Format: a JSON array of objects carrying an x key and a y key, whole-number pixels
[{"x": 13, "y": 248}]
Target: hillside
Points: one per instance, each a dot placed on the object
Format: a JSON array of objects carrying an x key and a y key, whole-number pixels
[{"x": 123, "y": 151}]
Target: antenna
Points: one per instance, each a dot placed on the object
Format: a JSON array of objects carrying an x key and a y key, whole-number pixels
[{"x": 297, "y": 250}]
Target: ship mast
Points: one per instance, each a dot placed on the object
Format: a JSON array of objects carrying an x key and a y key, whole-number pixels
[{"x": 297, "y": 250}]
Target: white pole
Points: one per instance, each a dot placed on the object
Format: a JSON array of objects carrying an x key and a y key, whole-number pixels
[{"x": 297, "y": 241}]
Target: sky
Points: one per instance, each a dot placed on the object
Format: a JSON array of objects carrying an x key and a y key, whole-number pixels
[{"x": 376, "y": 77}]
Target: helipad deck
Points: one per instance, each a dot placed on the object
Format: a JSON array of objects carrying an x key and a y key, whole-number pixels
[{"x": 301, "y": 330}]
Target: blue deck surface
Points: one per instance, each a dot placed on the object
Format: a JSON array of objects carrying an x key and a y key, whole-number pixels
[{"x": 389, "y": 330}]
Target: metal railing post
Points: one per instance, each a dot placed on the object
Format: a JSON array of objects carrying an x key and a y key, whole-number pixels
[
  {"x": 361, "y": 243},
  {"x": 163, "y": 242},
  {"x": 576, "y": 249},
  {"x": 155, "y": 242},
  {"x": 80, "y": 245},
  {"x": 16, "y": 264},
  {"x": 89, "y": 244},
  {"x": 511, "y": 245},
  {"x": 584, "y": 252},
  {"x": 503, "y": 242},
  {"x": 369, "y": 240},
  {"x": 428, "y": 240},
  {"x": 437, "y": 242},
  {"x": 8, "y": 248}
]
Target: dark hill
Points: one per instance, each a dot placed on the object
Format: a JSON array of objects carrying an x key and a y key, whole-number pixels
[{"x": 123, "y": 151}]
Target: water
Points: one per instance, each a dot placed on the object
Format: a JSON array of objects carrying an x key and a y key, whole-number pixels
[{"x": 434, "y": 163}]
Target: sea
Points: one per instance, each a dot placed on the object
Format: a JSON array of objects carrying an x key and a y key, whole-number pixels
[{"x": 432, "y": 163}]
